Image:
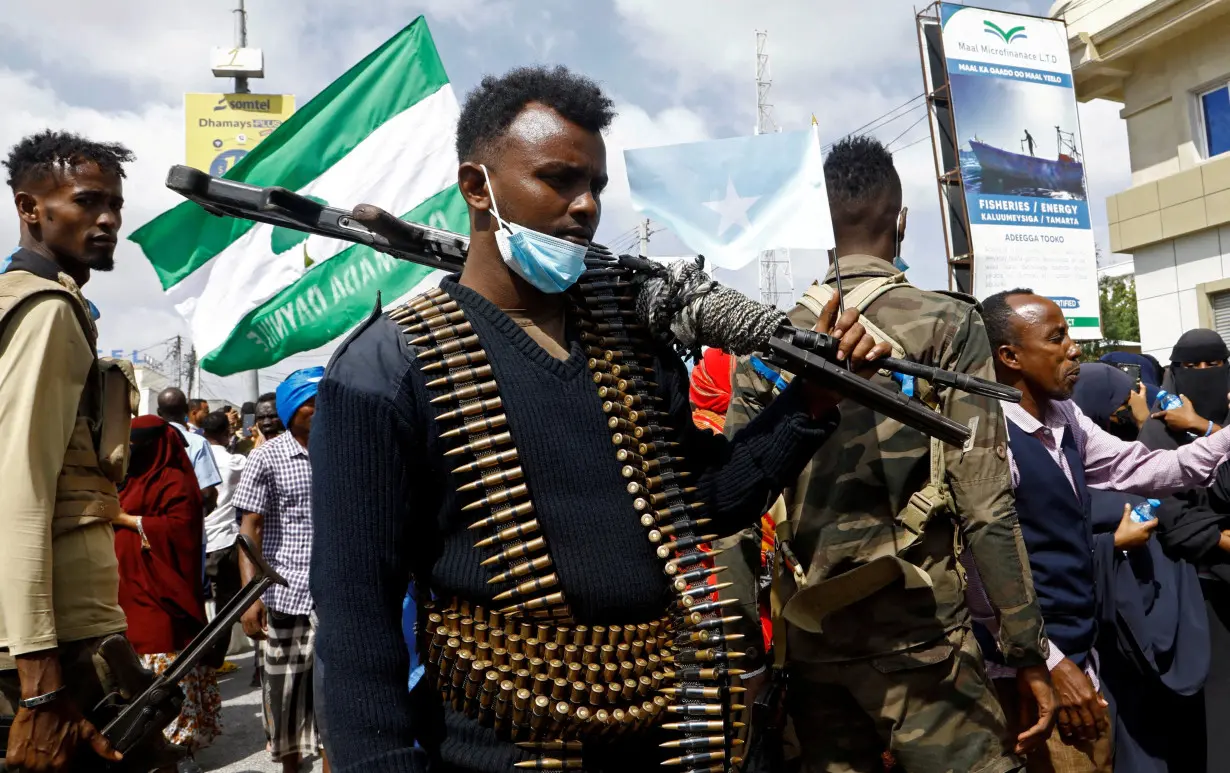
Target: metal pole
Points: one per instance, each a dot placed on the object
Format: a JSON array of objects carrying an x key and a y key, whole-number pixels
[
  {"x": 643, "y": 228},
  {"x": 241, "y": 41}
]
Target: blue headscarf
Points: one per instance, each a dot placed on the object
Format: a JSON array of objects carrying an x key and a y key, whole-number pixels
[
  {"x": 1150, "y": 370},
  {"x": 297, "y": 389}
]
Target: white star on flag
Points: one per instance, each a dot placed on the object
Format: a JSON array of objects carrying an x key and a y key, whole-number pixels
[{"x": 733, "y": 209}]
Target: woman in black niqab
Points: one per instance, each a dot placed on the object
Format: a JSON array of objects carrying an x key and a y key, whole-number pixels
[
  {"x": 1198, "y": 372},
  {"x": 1153, "y": 641}
]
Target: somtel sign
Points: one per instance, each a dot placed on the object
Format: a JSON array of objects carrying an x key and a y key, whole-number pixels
[{"x": 221, "y": 128}]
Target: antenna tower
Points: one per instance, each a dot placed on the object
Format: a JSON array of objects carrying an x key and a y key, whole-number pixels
[{"x": 773, "y": 263}]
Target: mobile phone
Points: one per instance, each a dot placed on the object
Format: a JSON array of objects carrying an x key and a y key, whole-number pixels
[
  {"x": 249, "y": 419},
  {"x": 1131, "y": 370}
]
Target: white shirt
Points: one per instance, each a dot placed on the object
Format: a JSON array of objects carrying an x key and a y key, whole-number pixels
[{"x": 222, "y": 524}]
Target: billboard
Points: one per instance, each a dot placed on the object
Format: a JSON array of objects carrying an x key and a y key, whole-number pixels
[
  {"x": 1021, "y": 159},
  {"x": 222, "y": 128}
]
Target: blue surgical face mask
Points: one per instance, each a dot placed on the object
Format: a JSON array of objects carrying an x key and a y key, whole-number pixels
[
  {"x": 898, "y": 261},
  {"x": 547, "y": 262}
]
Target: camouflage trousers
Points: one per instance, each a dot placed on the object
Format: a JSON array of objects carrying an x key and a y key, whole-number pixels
[{"x": 932, "y": 709}]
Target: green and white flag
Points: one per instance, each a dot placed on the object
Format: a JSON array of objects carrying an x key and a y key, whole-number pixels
[{"x": 384, "y": 134}]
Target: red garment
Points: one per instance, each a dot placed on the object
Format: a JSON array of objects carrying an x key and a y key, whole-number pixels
[
  {"x": 710, "y": 387},
  {"x": 160, "y": 585}
]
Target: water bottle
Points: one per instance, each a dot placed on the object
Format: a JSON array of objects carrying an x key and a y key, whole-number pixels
[
  {"x": 1167, "y": 401},
  {"x": 1143, "y": 512}
]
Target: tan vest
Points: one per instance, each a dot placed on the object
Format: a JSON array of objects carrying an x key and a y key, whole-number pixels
[{"x": 97, "y": 454}]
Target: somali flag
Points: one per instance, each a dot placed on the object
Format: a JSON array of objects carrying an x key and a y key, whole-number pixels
[{"x": 730, "y": 200}]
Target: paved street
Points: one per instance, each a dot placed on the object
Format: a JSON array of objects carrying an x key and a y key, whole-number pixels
[{"x": 241, "y": 747}]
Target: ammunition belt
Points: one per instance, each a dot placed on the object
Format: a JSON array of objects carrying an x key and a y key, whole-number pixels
[
  {"x": 525, "y": 669},
  {"x": 621, "y": 362},
  {"x": 540, "y": 683}
]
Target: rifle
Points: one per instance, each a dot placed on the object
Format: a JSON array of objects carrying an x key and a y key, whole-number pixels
[
  {"x": 803, "y": 352},
  {"x": 138, "y": 706}
]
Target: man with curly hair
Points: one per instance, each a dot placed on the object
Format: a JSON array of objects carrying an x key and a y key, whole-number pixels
[
  {"x": 58, "y": 506},
  {"x": 460, "y": 443}
]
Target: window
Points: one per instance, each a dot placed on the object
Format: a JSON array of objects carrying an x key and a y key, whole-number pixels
[
  {"x": 1220, "y": 304},
  {"x": 1215, "y": 114}
]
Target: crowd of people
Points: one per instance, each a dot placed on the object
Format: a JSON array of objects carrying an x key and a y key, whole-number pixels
[{"x": 517, "y": 532}]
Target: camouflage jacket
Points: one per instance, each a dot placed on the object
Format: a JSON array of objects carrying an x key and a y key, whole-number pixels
[{"x": 845, "y": 502}]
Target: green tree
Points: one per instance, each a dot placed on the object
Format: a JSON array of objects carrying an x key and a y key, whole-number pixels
[{"x": 1120, "y": 322}]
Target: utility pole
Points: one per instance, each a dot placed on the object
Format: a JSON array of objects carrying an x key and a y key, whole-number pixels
[
  {"x": 644, "y": 231},
  {"x": 177, "y": 352},
  {"x": 251, "y": 378},
  {"x": 772, "y": 262},
  {"x": 241, "y": 41}
]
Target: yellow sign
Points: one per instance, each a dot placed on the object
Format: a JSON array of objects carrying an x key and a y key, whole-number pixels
[{"x": 222, "y": 128}]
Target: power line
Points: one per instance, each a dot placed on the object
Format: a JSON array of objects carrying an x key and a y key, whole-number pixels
[
  {"x": 902, "y": 134},
  {"x": 1086, "y": 13},
  {"x": 926, "y": 136},
  {"x": 882, "y": 120}
]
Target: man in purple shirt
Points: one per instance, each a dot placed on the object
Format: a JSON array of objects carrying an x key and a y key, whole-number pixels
[{"x": 1056, "y": 454}]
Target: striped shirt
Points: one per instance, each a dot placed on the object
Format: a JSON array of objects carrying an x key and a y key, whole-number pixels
[
  {"x": 277, "y": 484},
  {"x": 1110, "y": 463}
]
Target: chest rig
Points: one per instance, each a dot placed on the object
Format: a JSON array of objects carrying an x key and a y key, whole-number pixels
[{"x": 522, "y": 665}]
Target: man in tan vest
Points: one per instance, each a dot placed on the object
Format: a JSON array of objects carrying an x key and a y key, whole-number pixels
[{"x": 59, "y": 459}]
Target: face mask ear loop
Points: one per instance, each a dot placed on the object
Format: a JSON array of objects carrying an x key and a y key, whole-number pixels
[{"x": 495, "y": 209}]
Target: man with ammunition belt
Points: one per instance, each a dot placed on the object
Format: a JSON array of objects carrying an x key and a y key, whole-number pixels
[
  {"x": 63, "y": 447},
  {"x": 876, "y": 634},
  {"x": 515, "y": 444}
]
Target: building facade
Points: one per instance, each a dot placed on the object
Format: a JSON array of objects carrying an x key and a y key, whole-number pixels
[{"x": 1168, "y": 63}]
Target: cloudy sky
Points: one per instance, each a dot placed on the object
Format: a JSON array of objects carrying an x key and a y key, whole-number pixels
[{"x": 679, "y": 71}]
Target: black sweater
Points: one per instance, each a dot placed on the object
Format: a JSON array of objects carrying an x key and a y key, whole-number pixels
[{"x": 385, "y": 510}]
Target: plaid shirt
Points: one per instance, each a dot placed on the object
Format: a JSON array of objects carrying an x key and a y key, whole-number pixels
[{"x": 277, "y": 484}]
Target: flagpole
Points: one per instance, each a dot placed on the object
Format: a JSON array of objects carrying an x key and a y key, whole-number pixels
[{"x": 251, "y": 378}]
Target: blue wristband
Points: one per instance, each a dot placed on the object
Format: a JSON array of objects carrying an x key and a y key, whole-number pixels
[{"x": 1209, "y": 431}]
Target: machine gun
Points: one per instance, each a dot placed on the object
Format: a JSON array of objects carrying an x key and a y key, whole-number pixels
[
  {"x": 137, "y": 705},
  {"x": 802, "y": 352}
]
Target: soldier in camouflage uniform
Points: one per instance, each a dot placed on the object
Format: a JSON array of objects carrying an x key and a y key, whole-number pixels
[{"x": 897, "y": 669}]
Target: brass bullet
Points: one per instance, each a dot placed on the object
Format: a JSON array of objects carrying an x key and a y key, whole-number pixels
[
  {"x": 445, "y": 333},
  {"x": 510, "y": 533},
  {"x": 435, "y": 298},
  {"x": 604, "y": 379},
  {"x": 620, "y": 425},
  {"x": 712, "y": 623},
  {"x": 538, "y": 603},
  {"x": 696, "y": 575},
  {"x": 474, "y": 409},
  {"x": 492, "y": 479},
  {"x": 499, "y": 497},
  {"x": 504, "y": 516},
  {"x": 529, "y": 586},
  {"x": 658, "y": 446},
  {"x": 700, "y": 709},
  {"x": 681, "y": 510},
  {"x": 701, "y": 726},
  {"x": 658, "y": 481},
  {"x": 702, "y": 656},
  {"x": 703, "y": 693},
  {"x": 629, "y": 471},
  {"x": 698, "y": 757},
  {"x": 665, "y": 550},
  {"x": 551, "y": 746},
  {"x": 704, "y": 590},
  {"x": 710, "y": 606},
  {"x": 624, "y": 370},
  {"x": 675, "y": 564},
  {"x": 467, "y": 393},
  {"x": 491, "y": 460},
  {"x": 516, "y": 551},
  {"x": 612, "y": 394},
  {"x": 550, "y": 763},
  {"x": 616, "y": 408},
  {"x": 476, "y": 357},
  {"x": 482, "y": 444},
  {"x": 654, "y": 465},
  {"x": 621, "y": 439},
  {"x": 520, "y": 570},
  {"x": 668, "y": 529},
  {"x": 460, "y": 377},
  {"x": 599, "y": 366},
  {"x": 648, "y": 431},
  {"x": 451, "y": 347},
  {"x": 440, "y": 320},
  {"x": 628, "y": 456}
]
